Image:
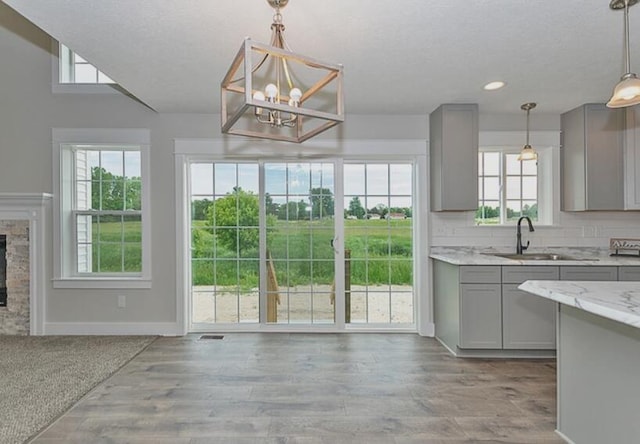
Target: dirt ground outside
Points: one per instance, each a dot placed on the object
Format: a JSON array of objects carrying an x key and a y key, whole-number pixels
[{"x": 304, "y": 304}]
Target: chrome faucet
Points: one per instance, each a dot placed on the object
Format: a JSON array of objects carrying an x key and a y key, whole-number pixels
[{"x": 519, "y": 247}]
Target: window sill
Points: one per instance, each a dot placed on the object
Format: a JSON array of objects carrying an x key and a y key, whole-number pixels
[{"x": 102, "y": 282}]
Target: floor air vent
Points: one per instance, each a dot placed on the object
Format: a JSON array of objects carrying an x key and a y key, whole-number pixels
[{"x": 211, "y": 337}]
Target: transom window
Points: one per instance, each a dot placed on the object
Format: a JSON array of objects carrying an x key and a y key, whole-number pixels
[
  {"x": 507, "y": 187},
  {"x": 75, "y": 69}
]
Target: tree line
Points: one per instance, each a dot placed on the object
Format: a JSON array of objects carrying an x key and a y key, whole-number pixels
[{"x": 113, "y": 192}]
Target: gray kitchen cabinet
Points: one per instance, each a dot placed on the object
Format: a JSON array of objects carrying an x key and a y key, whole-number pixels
[
  {"x": 629, "y": 273},
  {"x": 591, "y": 158},
  {"x": 480, "y": 316},
  {"x": 527, "y": 322},
  {"x": 453, "y": 149},
  {"x": 478, "y": 310},
  {"x": 632, "y": 159},
  {"x": 467, "y": 306},
  {"x": 588, "y": 273}
]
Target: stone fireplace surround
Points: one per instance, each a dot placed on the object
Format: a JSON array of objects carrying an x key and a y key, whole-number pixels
[{"x": 23, "y": 217}]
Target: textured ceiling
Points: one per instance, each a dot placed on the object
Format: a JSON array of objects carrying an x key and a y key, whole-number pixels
[{"x": 403, "y": 57}]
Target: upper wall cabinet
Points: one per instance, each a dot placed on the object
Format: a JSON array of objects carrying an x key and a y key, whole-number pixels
[
  {"x": 592, "y": 151},
  {"x": 632, "y": 159},
  {"x": 453, "y": 147}
]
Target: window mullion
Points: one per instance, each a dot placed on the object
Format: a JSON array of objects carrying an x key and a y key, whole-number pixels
[{"x": 503, "y": 188}]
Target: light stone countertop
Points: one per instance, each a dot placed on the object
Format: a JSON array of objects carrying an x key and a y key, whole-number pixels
[
  {"x": 618, "y": 301},
  {"x": 584, "y": 256}
]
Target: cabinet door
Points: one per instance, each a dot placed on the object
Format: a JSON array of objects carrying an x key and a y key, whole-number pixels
[
  {"x": 591, "y": 158},
  {"x": 528, "y": 321},
  {"x": 588, "y": 273},
  {"x": 605, "y": 150},
  {"x": 453, "y": 147},
  {"x": 632, "y": 159},
  {"x": 480, "y": 316},
  {"x": 629, "y": 273}
]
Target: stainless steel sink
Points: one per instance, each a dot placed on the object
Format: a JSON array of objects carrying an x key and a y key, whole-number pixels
[{"x": 537, "y": 257}]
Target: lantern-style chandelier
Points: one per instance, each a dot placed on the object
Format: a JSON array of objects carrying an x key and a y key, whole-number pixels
[{"x": 270, "y": 92}]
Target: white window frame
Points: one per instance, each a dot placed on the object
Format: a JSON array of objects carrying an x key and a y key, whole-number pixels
[
  {"x": 59, "y": 57},
  {"x": 65, "y": 249},
  {"x": 502, "y": 176},
  {"x": 547, "y": 145}
]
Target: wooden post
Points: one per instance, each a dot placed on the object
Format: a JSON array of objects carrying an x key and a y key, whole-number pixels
[
  {"x": 347, "y": 286},
  {"x": 273, "y": 295}
]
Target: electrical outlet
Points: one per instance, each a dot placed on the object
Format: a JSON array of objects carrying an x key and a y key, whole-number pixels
[{"x": 122, "y": 301}]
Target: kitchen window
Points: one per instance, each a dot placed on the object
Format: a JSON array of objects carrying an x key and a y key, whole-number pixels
[
  {"x": 507, "y": 187},
  {"x": 102, "y": 224}
]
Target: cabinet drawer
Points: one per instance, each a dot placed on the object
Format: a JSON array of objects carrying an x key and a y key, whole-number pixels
[
  {"x": 519, "y": 274},
  {"x": 480, "y": 274},
  {"x": 588, "y": 273},
  {"x": 629, "y": 273}
]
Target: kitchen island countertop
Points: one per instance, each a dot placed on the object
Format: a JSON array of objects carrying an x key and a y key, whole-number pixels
[{"x": 617, "y": 301}]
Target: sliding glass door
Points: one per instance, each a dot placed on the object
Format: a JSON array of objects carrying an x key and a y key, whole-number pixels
[{"x": 311, "y": 243}]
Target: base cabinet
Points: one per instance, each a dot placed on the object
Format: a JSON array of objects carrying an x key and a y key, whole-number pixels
[
  {"x": 479, "y": 310},
  {"x": 480, "y": 316},
  {"x": 527, "y": 323}
]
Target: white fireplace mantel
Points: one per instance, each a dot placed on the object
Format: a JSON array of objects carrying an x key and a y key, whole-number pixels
[{"x": 32, "y": 207}]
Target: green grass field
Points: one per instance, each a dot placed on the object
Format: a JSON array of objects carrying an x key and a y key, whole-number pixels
[
  {"x": 110, "y": 254},
  {"x": 381, "y": 253}
]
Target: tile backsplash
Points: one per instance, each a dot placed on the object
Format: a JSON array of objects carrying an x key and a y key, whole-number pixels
[{"x": 585, "y": 229}]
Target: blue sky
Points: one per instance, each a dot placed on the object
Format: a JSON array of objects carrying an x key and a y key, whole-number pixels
[{"x": 389, "y": 185}]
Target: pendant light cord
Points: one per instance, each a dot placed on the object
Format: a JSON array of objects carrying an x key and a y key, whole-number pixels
[
  {"x": 528, "y": 110},
  {"x": 626, "y": 37}
]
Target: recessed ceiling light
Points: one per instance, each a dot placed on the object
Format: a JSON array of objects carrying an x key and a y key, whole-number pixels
[{"x": 491, "y": 86}]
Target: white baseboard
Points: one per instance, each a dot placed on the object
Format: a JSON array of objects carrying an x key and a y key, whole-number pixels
[
  {"x": 562, "y": 435},
  {"x": 112, "y": 328},
  {"x": 429, "y": 329}
]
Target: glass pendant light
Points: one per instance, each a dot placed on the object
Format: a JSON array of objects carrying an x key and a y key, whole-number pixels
[
  {"x": 627, "y": 91},
  {"x": 527, "y": 153}
]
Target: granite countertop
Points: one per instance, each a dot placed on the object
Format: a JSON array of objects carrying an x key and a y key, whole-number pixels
[
  {"x": 618, "y": 301},
  {"x": 582, "y": 256}
]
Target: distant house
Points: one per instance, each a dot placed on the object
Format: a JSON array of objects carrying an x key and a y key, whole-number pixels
[{"x": 396, "y": 216}]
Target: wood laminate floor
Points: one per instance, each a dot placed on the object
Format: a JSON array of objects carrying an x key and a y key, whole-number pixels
[{"x": 314, "y": 388}]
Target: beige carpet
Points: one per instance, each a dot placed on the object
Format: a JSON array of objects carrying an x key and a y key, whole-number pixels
[{"x": 41, "y": 377}]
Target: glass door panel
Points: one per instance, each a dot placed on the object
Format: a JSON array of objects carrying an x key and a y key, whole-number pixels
[
  {"x": 379, "y": 241},
  {"x": 225, "y": 254},
  {"x": 299, "y": 203}
]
